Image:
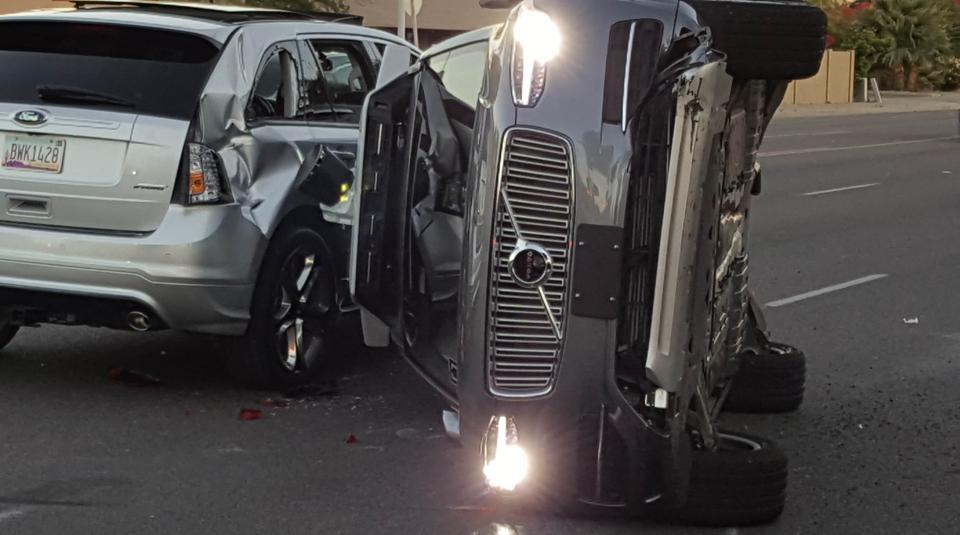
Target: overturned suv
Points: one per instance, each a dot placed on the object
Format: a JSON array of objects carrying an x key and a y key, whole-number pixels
[
  {"x": 565, "y": 260},
  {"x": 186, "y": 167}
]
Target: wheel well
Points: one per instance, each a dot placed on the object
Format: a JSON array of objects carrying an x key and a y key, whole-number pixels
[{"x": 335, "y": 238}]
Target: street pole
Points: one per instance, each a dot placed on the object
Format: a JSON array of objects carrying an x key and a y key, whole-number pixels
[
  {"x": 401, "y": 19},
  {"x": 416, "y": 31}
]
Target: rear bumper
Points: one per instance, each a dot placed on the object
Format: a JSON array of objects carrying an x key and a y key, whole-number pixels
[{"x": 195, "y": 273}]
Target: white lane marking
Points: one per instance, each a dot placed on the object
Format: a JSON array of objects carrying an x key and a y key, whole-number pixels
[
  {"x": 10, "y": 514},
  {"x": 835, "y": 190},
  {"x": 828, "y": 289},
  {"x": 854, "y": 147},
  {"x": 830, "y": 133}
]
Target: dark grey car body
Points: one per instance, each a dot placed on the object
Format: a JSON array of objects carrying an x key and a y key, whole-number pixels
[{"x": 630, "y": 180}]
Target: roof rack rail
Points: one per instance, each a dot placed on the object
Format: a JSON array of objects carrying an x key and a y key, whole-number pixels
[{"x": 227, "y": 14}]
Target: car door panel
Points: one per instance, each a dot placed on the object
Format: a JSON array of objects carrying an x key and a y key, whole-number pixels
[
  {"x": 409, "y": 227},
  {"x": 382, "y": 189}
]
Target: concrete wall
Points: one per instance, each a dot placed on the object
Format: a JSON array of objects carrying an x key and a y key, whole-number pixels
[
  {"x": 457, "y": 15},
  {"x": 12, "y": 6},
  {"x": 832, "y": 85}
]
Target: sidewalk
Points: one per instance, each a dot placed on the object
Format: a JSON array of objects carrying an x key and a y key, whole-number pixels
[{"x": 893, "y": 102}]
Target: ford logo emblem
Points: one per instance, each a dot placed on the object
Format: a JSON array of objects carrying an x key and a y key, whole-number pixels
[
  {"x": 30, "y": 117},
  {"x": 530, "y": 265}
]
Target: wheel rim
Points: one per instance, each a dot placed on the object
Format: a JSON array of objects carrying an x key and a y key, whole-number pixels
[
  {"x": 736, "y": 442},
  {"x": 302, "y": 312}
]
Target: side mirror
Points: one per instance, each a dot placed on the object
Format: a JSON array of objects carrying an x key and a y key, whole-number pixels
[
  {"x": 328, "y": 179},
  {"x": 499, "y": 4}
]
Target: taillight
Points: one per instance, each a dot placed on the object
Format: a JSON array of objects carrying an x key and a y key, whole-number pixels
[{"x": 204, "y": 178}]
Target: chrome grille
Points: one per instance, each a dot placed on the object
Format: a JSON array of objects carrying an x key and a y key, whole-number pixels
[{"x": 535, "y": 197}]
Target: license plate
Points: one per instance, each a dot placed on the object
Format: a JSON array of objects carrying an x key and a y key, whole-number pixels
[{"x": 34, "y": 153}]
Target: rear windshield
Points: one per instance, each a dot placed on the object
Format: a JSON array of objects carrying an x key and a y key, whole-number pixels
[{"x": 153, "y": 72}]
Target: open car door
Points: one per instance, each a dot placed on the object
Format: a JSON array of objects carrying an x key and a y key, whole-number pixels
[{"x": 408, "y": 226}]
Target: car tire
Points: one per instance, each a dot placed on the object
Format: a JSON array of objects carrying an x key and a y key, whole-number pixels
[
  {"x": 293, "y": 314},
  {"x": 743, "y": 483},
  {"x": 767, "y": 40},
  {"x": 769, "y": 382},
  {"x": 7, "y": 333}
]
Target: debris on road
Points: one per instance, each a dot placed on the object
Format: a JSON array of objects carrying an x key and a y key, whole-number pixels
[
  {"x": 408, "y": 433},
  {"x": 351, "y": 439},
  {"x": 319, "y": 390},
  {"x": 911, "y": 321},
  {"x": 274, "y": 403},
  {"x": 132, "y": 377},
  {"x": 247, "y": 415}
]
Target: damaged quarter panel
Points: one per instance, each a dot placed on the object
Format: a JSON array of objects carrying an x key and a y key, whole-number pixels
[
  {"x": 269, "y": 153},
  {"x": 262, "y": 155}
]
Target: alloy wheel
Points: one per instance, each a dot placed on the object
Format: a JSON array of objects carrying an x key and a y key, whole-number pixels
[{"x": 303, "y": 310}]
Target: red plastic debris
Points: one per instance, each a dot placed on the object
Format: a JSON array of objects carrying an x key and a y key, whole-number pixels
[
  {"x": 250, "y": 414},
  {"x": 274, "y": 403},
  {"x": 351, "y": 439},
  {"x": 132, "y": 377},
  {"x": 187, "y": 412}
]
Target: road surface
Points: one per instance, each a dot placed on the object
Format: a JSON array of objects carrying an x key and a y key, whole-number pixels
[{"x": 855, "y": 252}]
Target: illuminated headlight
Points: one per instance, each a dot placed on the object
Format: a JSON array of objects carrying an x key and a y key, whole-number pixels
[
  {"x": 536, "y": 41},
  {"x": 505, "y": 463}
]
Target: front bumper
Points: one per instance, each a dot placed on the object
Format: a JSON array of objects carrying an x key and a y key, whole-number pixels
[
  {"x": 586, "y": 441},
  {"x": 195, "y": 273}
]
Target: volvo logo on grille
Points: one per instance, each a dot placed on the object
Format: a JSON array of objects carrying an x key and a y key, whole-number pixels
[
  {"x": 530, "y": 264},
  {"x": 30, "y": 117}
]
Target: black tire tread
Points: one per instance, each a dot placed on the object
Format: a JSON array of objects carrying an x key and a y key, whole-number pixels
[
  {"x": 771, "y": 40},
  {"x": 769, "y": 382},
  {"x": 6, "y": 335},
  {"x": 250, "y": 361},
  {"x": 737, "y": 488}
]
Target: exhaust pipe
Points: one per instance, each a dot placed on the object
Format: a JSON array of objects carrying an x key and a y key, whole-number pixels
[{"x": 138, "y": 321}]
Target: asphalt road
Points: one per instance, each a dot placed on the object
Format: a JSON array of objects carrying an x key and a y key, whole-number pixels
[{"x": 873, "y": 450}]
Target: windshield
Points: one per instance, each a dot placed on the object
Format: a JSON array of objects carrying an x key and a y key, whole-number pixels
[{"x": 153, "y": 72}]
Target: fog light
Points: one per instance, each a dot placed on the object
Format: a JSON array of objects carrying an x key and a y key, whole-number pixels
[{"x": 505, "y": 463}]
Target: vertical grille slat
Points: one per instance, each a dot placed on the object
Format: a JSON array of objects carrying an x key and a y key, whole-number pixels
[
  {"x": 642, "y": 225},
  {"x": 537, "y": 181}
]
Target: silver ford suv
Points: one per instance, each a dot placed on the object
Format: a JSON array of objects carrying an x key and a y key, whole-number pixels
[{"x": 185, "y": 167}]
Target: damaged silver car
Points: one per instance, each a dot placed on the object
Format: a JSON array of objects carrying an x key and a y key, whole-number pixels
[
  {"x": 565, "y": 257},
  {"x": 184, "y": 167}
]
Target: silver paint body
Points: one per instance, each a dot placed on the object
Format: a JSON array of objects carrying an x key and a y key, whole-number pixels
[{"x": 107, "y": 227}]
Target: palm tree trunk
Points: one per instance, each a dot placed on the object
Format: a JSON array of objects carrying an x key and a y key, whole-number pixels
[
  {"x": 913, "y": 78},
  {"x": 898, "y": 78}
]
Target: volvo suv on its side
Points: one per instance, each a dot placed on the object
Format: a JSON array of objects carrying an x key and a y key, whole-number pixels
[
  {"x": 185, "y": 167},
  {"x": 562, "y": 249}
]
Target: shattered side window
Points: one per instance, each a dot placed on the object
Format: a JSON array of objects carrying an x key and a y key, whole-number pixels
[{"x": 337, "y": 77}]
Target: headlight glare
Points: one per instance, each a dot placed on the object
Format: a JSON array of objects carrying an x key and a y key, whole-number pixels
[
  {"x": 536, "y": 41},
  {"x": 539, "y": 36},
  {"x": 505, "y": 463}
]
